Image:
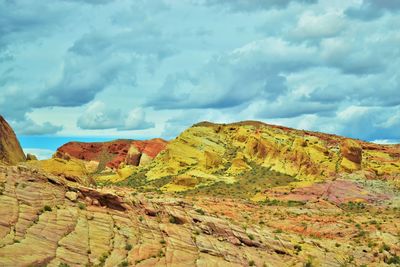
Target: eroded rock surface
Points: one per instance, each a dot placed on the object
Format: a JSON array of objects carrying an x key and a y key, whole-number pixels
[
  {"x": 10, "y": 149},
  {"x": 48, "y": 220}
]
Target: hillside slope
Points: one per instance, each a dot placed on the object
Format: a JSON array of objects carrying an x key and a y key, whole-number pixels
[
  {"x": 210, "y": 154},
  {"x": 10, "y": 149}
]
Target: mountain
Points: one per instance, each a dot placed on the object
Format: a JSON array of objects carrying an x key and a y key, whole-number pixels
[
  {"x": 10, "y": 149},
  {"x": 242, "y": 194}
]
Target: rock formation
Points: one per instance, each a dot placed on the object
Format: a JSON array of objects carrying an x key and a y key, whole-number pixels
[
  {"x": 10, "y": 149},
  {"x": 48, "y": 220},
  {"x": 112, "y": 154},
  {"x": 214, "y": 152}
]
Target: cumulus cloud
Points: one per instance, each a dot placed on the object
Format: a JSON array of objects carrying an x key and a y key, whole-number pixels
[
  {"x": 99, "y": 116},
  {"x": 91, "y": 2},
  {"x": 321, "y": 65},
  {"x": 244, "y": 5},
  {"x": 312, "y": 26},
  {"x": 255, "y": 70}
]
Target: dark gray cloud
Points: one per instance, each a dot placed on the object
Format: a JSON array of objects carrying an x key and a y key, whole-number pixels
[
  {"x": 30, "y": 127},
  {"x": 373, "y": 9}
]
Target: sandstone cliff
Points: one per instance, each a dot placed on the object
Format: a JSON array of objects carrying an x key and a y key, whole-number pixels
[{"x": 10, "y": 149}]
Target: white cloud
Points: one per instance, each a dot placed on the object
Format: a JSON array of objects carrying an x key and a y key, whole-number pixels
[
  {"x": 316, "y": 26},
  {"x": 100, "y": 116},
  {"x": 39, "y": 153}
]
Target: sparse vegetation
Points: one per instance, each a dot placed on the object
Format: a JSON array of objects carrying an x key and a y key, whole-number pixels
[
  {"x": 47, "y": 208},
  {"x": 173, "y": 219},
  {"x": 123, "y": 264},
  {"x": 200, "y": 211},
  {"x": 393, "y": 260},
  {"x": 251, "y": 237}
]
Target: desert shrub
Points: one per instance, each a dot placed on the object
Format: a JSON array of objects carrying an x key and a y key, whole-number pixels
[
  {"x": 123, "y": 264},
  {"x": 200, "y": 211},
  {"x": 251, "y": 237},
  {"x": 353, "y": 206},
  {"x": 173, "y": 220},
  {"x": 297, "y": 248},
  {"x": 81, "y": 206},
  {"x": 393, "y": 260},
  {"x": 47, "y": 208},
  {"x": 128, "y": 247}
]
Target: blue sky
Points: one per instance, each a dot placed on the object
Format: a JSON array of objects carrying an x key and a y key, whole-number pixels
[{"x": 93, "y": 69}]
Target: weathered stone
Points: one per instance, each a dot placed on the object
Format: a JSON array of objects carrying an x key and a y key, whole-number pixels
[{"x": 73, "y": 196}]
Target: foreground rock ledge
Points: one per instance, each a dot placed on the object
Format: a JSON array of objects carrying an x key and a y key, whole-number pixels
[{"x": 47, "y": 220}]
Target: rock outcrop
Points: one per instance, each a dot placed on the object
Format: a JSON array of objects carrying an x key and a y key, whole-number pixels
[
  {"x": 48, "y": 220},
  {"x": 112, "y": 154},
  {"x": 10, "y": 149}
]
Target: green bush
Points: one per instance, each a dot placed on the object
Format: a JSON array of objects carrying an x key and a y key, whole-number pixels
[
  {"x": 393, "y": 260},
  {"x": 81, "y": 206},
  {"x": 200, "y": 211}
]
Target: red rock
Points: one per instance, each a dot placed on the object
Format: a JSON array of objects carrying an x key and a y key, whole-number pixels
[
  {"x": 10, "y": 149},
  {"x": 113, "y": 153}
]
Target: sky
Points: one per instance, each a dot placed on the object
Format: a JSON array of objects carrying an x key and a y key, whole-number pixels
[{"x": 93, "y": 70}]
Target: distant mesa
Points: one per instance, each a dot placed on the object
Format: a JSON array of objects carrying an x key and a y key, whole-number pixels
[{"x": 10, "y": 149}]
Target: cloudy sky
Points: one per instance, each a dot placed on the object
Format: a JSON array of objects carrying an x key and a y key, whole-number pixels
[{"x": 101, "y": 69}]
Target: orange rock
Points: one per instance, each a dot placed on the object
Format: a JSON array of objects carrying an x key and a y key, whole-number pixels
[{"x": 10, "y": 149}]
